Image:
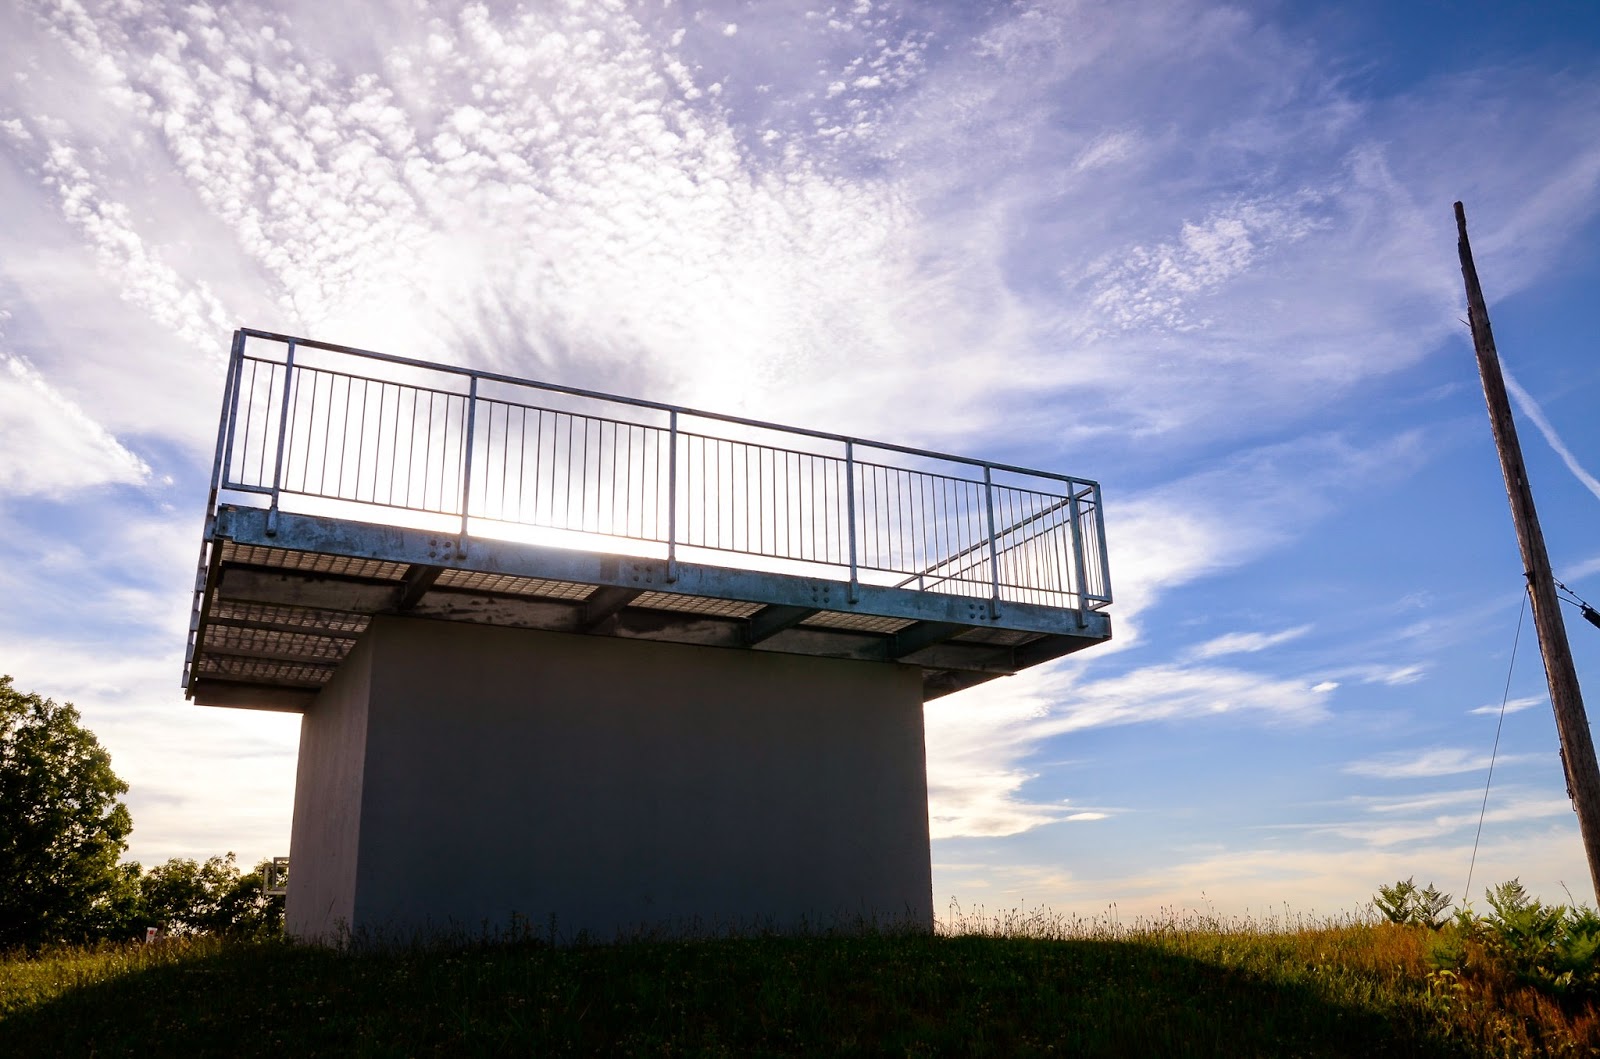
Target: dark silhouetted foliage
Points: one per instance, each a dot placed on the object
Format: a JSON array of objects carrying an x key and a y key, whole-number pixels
[
  {"x": 185, "y": 896},
  {"x": 62, "y": 826}
]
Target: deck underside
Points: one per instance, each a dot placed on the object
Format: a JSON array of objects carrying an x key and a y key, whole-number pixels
[{"x": 283, "y": 602}]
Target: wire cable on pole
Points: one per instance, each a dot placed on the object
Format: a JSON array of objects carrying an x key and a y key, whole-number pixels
[
  {"x": 1590, "y": 615},
  {"x": 1466, "y": 893}
]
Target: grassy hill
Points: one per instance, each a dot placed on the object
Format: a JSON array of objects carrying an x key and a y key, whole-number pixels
[{"x": 1182, "y": 987}]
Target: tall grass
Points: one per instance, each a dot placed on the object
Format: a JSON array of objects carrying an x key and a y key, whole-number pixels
[{"x": 1013, "y": 982}]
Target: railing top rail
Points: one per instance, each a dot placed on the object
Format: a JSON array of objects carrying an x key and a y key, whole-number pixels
[{"x": 638, "y": 402}]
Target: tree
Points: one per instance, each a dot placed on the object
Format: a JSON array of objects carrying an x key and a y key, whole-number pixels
[
  {"x": 187, "y": 896},
  {"x": 62, "y": 827}
]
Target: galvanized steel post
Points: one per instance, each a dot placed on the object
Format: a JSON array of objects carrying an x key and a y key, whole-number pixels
[
  {"x": 466, "y": 465},
  {"x": 230, "y": 402},
  {"x": 1077, "y": 555},
  {"x": 672, "y": 496},
  {"x": 1100, "y": 538},
  {"x": 850, "y": 515},
  {"x": 283, "y": 437},
  {"x": 994, "y": 552}
]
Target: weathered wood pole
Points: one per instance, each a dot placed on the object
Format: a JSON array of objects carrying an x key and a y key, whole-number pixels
[{"x": 1572, "y": 723}]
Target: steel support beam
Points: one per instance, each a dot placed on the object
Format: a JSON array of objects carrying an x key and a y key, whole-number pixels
[
  {"x": 769, "y": 622},
  {"x": 603, "y": 603},
  {"x": 419, "y": 578},
  {"x": 924, "y": 634}
]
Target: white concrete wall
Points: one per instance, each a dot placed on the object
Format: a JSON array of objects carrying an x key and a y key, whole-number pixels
[
  {"x": 620, "y": 784},
  {"x": 327, "y": 803}
]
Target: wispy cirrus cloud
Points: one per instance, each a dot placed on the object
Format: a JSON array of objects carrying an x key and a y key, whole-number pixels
[
  {"x": 1531, "y": 409},
  {"x": 48, "y": 445},
  {"x": 601, "y": 193},
  {"x": 1434, "y": 761},
  {"x": 1389, "y": 675},
  {"x": 1516, "y": 810},
  {"x": 979, "y": 746},
  {"x": 1494, "y": 709},
  {"x": 1244, "y": 642}
]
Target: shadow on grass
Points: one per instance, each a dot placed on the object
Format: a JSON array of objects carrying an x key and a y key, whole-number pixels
[{"x": 751, "y": 996}]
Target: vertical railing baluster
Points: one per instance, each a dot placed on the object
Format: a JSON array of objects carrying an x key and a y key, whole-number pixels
[
  {"x": 994, "y": 554},
  {"x": 466, "y": 465},
  {"x": 283, "y": 427},
  {"x": 850, "y": 514},
  {"x": 672, "y": 496}
]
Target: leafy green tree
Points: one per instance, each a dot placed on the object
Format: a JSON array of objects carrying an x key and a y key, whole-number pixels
[
  {"x": 122, "y": 913},
  {"x": 62, "y": 825},
  {"x": 187, "y": 896}
]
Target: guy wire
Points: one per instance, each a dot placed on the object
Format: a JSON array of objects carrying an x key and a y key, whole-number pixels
[{"x": 1466, "y": 893}]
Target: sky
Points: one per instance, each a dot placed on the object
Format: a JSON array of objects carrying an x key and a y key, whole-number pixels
[{"x": 1202, "y": 254}]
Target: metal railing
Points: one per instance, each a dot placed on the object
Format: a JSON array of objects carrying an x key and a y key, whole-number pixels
[{"x": 310, "y": 426}]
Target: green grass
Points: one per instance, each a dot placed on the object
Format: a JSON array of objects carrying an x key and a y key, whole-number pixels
[{"x": 1009, "y": 985}]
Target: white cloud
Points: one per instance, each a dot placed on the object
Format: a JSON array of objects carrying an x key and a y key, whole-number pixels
[
  {"x": 141, "y": 273},
  {"x": 1493, "y": 709},
  {"x": 1235, "y": 511},
  {"x": 1400, "y": 675},
  {"x": 1155, "y": 288},
  {"x": 978, "y": 743},
  {"x": 1266, "y": 882},
  {"x": 1420, "y": 803},
  {"x": 1436, "y": 761},
  {"x": 1167, "y": 692},
  {"x": 1403, "y": 832},
  {"x": 48, "y": 445},
  {"x": 1390, "y": 675},
  {"x": 1531, "y": 409},
  {"x": 1245, "y": 642}
]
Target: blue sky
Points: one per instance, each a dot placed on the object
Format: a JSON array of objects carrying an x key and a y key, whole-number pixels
[{"x": 1202, "y": 254}]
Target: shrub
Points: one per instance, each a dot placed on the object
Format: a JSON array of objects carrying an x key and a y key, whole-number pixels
[
  {"x": 1405, "y": 904},
  {"x": 1553, "y": 948}
]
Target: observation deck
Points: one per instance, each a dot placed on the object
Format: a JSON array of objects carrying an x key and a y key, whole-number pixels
[{"x": 349, "y": 484}]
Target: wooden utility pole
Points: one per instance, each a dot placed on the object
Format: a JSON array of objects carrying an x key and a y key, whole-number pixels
[{"x": 1572, "y": 724}]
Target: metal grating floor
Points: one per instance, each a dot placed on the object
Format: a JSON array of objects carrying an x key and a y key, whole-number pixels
[
  {"x": 860, "y": 622},
  {"x": 283, "y": 604},
  {"x": 719, "y": 608},
  {"x": 284, "y": 559},
  {"x": 474, "y": 581}
]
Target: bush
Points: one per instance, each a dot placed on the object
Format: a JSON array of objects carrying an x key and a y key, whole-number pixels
[
  {"x": 1405, "y": 904},
  {"x": 1553, "y": 948}
]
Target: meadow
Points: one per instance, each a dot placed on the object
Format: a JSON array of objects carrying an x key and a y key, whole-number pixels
[{"x": 1017, "y": 983}]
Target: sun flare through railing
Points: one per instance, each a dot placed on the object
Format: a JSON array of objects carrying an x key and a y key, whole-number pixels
[{"x": 315, "y": 428}]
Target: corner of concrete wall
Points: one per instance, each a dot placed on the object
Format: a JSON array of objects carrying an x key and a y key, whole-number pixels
[{"x": 325, "y": 840}]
